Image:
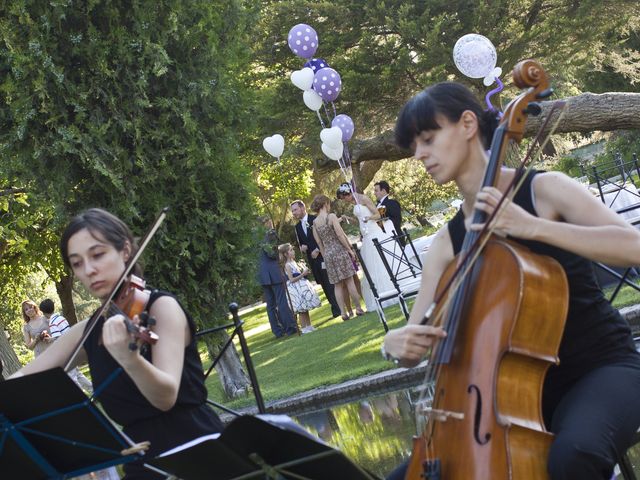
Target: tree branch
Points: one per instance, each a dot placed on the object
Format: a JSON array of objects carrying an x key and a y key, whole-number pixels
[{"x": 584, "y": 113}]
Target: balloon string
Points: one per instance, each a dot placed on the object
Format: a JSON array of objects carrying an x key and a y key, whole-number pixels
[
  {"x": 334, "y": 109},
  {"x": 320, "y": 118},
  {"x": 487, "y": 98}
]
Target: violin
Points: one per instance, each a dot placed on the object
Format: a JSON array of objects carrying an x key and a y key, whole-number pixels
[{"x": 131, "y": 300}]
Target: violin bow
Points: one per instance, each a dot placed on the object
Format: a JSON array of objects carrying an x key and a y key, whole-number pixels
[{"x": 93, "y": 321}]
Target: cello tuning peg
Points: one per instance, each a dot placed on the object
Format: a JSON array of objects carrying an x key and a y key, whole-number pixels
[
  {"x": 133, "y": 346},
  {"x": 151, "y": 321},
  {"x": 144, "y": 317},
  {"x": 533, "y": 109},
  {"x": 545, "y": 93}
]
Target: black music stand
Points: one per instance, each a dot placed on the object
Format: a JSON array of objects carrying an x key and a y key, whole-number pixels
[
  {"x": 49, "y": 429},
  {"x": 259, "y": 447}
]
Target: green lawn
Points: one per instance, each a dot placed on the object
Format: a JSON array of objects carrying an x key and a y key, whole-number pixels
[{"x": 336, "y": 352}]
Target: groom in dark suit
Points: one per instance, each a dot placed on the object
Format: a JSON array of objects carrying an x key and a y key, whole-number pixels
[
  {"x": 393, "y": 211},
  {"x": 309, "y": 246}
]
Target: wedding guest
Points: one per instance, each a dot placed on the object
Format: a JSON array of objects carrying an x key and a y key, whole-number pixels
[
  {"x": 308, "y": 246},
  {"x": 392, "y": 209},
  {"x": 58, "y": 326},
  {"x": 337, "y": 253},
  {"x": 35, "y": 329},
  {"x": 272, "y": 281},
  {"x": 301, "y": 292}
]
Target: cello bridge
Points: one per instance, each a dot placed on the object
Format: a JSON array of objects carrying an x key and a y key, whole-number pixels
[{"x": 442, "y": 415}]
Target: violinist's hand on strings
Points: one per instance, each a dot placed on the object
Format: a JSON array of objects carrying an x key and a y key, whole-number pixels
[
  {"x": 116, "y": 339},
  {"x": 512, "y": 220},
  {"x": 411, "y": 343}
]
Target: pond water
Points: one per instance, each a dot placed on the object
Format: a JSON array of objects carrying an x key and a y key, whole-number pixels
[{"x": 376, "y": 433}]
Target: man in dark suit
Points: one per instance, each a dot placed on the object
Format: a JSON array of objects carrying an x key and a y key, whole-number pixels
[
  {"x": 272, "y": 280},
  {"x": 393, "y": 211},
  {"x": 309, "y": 246}
]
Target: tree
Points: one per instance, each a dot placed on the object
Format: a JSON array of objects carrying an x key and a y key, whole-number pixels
[
  {"x": 133, "y": 106},
  {"x": 388, "y": 50}
]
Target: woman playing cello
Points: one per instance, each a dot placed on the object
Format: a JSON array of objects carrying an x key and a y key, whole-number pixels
[
  {"x": 160, "y": 394},
  {"x": 589, "y": 400}
]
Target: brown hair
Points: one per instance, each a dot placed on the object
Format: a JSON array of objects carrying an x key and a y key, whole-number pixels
[
  {"x": 319, "y": 201},
  {"x": 283, "y": 250}
]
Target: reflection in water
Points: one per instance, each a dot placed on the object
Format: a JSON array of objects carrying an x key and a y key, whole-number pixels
[{"x": 374, "y": 433}]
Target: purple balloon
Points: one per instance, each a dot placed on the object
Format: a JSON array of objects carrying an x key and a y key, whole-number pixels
[
  {"x": 327, "y": 84},
  {"x": 303, "y": 40},
  {"x": 344, "y": 123},
  {"x": 316, "y": 64}
]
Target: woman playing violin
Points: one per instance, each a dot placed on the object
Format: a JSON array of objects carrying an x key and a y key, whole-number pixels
[
  {"x": 589, "y": 400},
  {"x": 160, "y": 395}
]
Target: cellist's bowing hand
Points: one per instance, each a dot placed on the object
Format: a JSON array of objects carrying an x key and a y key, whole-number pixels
[
  {"x": 512, "y": 219},
  {"x": 116, "y": 338},
  {"x": 411, "y": 343}
]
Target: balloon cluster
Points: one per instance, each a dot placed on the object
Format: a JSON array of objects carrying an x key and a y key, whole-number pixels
[
  {"x": 321, "y": 86},
  {"x": 476, "y": 57}
]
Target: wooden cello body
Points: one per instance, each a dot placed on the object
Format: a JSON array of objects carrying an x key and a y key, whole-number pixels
[
  {"x": 504, "y": 325},
  {"x": 508, "y": 338}
]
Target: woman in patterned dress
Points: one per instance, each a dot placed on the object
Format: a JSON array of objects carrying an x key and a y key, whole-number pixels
[
  {"x": 337, "y": 253},
  {"x": 303, "y": 296},
  {"x": 35, "y": 329}
]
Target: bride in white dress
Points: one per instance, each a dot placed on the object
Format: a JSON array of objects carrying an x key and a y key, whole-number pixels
[{"x": 368, "y": 218}]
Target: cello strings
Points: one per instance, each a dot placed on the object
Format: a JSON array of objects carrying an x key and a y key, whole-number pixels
[{"x": 534, "y": 152}]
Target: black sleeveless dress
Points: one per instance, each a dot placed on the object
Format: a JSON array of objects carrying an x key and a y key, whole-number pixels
[
  {"x": 189, "y": 418},
  {"x": 595, "y": 333}
]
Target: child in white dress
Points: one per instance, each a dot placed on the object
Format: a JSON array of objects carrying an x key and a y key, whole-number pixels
[{"x": 302, "y": 294}]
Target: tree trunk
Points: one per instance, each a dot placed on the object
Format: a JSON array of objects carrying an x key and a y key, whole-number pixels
[
  {"x": 364, "y": 172},
  {"x": 64, "y": 289},
  {"x": 8, "y": 357},
  {"x": 584, "y": 113},
  {"x": 234, "y": 380}
]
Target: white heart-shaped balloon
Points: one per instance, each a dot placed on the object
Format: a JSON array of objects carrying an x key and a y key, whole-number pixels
[
  {"x": 312, "y": 100},
  {"x": 332, "y": 153},
  {"x": 274, "y": 145},
  {"x": 331, "y": 136},
  {"x": 303, "y": 79}
]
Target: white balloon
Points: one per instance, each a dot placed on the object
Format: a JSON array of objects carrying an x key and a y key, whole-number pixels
[
  {"x": 474, "y": 55},
  {"x": 312, "y": 100},
  {"x": 274, "y": 145},
  {"x": 303, "y": 79},
  {"x": 331, "y": 136},
  {"x": 332, "y": 153},
  {"x": 489, "y": 79}
]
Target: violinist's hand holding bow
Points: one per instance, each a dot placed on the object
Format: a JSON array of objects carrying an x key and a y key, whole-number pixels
[
  {"x": 512, "y": 219},
  {"x": 411, "y": 343}
]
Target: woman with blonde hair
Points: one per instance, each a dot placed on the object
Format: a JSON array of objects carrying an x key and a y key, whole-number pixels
[
  {"x": 337, "y": 253},
  {"x": 35, "y": 329}
]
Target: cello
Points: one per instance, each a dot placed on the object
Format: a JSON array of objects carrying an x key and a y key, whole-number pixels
[{"x": 504, "y": 321}]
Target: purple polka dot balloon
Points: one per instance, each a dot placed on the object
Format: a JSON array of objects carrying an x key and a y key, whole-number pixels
[
  {"x": 327, "y": 84},
  {"x": 316, "y": 64},
  {"x": 344, "y": 123},
  {"x": 303, "y": 40}
]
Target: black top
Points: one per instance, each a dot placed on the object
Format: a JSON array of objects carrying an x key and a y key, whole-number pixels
[
  {"x": 124, "y": 403},
  {"x": 595, "y": 333}
]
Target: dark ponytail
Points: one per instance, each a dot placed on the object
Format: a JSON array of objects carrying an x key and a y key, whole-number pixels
[{"x": 446, "y": 98}]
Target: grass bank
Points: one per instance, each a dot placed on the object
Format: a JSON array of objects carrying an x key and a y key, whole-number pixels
[{"x": 336, "y": 352}]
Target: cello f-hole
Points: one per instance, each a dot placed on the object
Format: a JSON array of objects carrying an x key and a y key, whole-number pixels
[{"x": 477, "y": 417}]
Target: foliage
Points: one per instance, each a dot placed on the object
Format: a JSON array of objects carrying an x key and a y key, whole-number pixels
[
  {"x": 133, "y": 106},
  {"x": 415, "y": 189}
]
